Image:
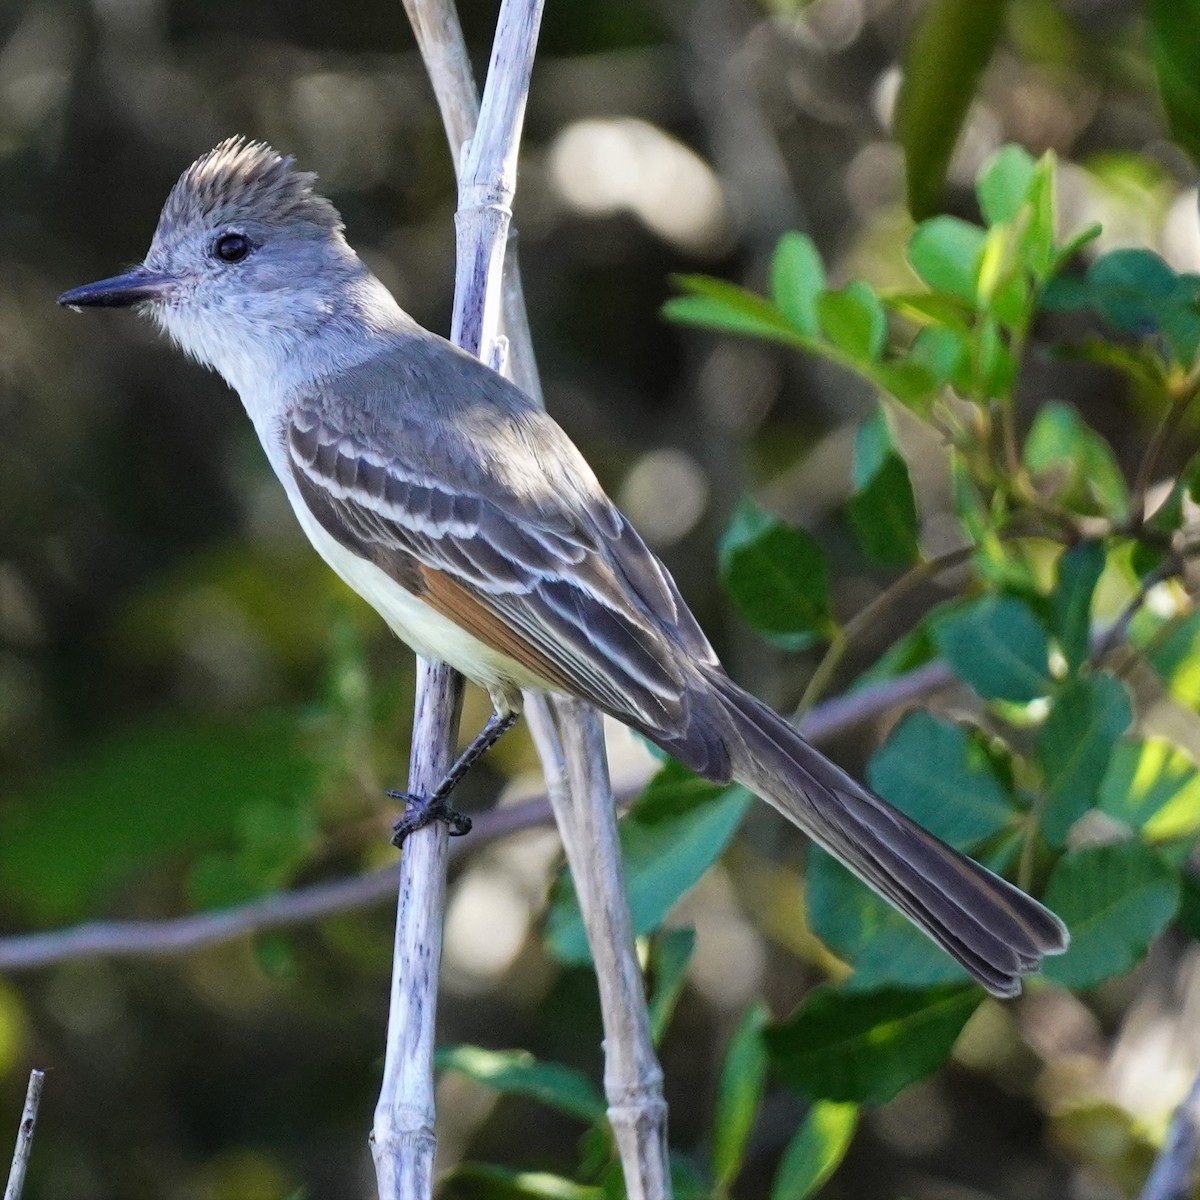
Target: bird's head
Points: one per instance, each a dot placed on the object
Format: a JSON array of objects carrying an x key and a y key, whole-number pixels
[{"x": 246, "y": 259}]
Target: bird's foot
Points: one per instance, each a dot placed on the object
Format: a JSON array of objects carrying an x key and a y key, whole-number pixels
[{"x": 420, "y": 811}]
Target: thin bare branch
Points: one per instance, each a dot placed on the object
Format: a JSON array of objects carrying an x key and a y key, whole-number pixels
[
  {"x": 633, "y": 1078},
  {"x": 24, "y": 1147},
  {"x": 444, "y": 50},
  {"x": 1174, "y": 1174},
  {"x": 403, "y": 1140},
  {"x": 487, "y": 178},
  {"x": 1183, "y": 394},
  {"x": 1117, "y": 633},
  {"x": 316, "y": 902}
]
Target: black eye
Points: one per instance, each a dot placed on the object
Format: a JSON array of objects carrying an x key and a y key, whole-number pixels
[{"x": 232, "y": 247}]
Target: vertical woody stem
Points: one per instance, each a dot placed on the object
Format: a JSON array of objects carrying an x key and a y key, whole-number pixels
[
  {"x": 570, "y": 741},
  {"x": 484, "y": 140},
  {"x": 403, "y": 1141}
]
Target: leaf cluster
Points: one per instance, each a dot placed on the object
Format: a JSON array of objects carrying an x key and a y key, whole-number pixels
[
  {"x": 1047, "y": 516},
  {"x": 1057, "y": 752}
]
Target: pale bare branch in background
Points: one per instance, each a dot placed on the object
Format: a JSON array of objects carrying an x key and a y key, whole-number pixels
[
  {"x": 24, "y": 1147},
  {"x": 1174, "y": 1174},
  {"x": 637, "y": 1111},
  {"x": 403, "y": 1138},
  {"x": 306, "y": 905},
  {"x": 487, "y": 179}
]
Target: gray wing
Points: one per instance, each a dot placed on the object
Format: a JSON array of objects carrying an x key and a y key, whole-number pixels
[{"x": 468, "y": 495}]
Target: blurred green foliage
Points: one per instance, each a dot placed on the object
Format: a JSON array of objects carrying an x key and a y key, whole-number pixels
[
  {"x": 1030, "y": 651},
  {"x": 147, "y": 796}
]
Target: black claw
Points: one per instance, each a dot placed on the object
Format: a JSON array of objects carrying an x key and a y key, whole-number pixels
[
  {"x": 459, "y": 823},
  {"x": 420, "y": 812}
]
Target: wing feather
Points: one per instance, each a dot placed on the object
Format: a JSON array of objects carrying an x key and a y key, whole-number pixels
[{"x": 543, "y": 569}]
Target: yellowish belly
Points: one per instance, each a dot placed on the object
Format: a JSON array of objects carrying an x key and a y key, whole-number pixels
[{"x": 429, "y": 633}]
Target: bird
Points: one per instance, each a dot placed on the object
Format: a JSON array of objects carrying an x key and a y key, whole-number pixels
[{"x": 466, "y": 517}]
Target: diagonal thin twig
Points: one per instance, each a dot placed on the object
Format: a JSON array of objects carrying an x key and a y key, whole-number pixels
[
  {"x": 306, "y": 905},
  {"x": 1174, "y": 1174},
  {"x": 24, "y": 1147}
]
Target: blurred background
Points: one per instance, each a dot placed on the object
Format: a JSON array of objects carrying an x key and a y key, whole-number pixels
[{"x": 193, "y": 711}]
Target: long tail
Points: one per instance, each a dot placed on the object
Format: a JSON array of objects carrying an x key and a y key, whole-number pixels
[{"x": 992, "y": 928}]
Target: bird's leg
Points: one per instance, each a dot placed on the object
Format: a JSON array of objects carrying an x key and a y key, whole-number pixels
[{"x": 421, "y": 810}]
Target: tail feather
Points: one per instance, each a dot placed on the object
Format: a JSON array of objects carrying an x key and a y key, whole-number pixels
[{"x": 992, "y": 928}]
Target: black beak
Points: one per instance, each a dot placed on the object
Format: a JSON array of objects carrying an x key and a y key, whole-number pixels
[{"x": 121, "y": 291}]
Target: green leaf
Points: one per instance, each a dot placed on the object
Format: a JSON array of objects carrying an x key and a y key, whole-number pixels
[
  {"x": 275, "y": 955},
  {"x": 776, "y": 576},
  {"x": 1174, "y": 29},
  {"x": 945, "y": 252},
  {"x": 1070, "y": 248},
  {"x": 884, "y": 948},
  {"x": 968, "y": 503},
  {"x": 220, "y": 880},
  {"x": 596, "y": 1158},
  {"x": 797, "y": 278},
  {"x": 816, "y": 1151},
  {"x": 873, "y": 444},
  {"x": 665, "y": 853},
  {"x": 739, "y": 1095},
  {"x": 933, "y": 770},
  {"x": 518, "y": 1073},
  {"x": 883, "y": 509},
  {"x": 1115, "y": 900},
  {"x": 854, "y": 321},
  {"x": 942, "y": 66},
  {"x": 992, "y": 558},
  {"x": 673, "y": 792},
  {"x": 935, "y": 358},
  {"x": 1004, "y": 184},
  {"x": 996, "y": 365},
  {"x": 1008, "y": 297},
  {"x": 718, "y": 304},
  {"x": 868, "y": 1047},
  {"x": 1124, "y": 278},
  {"x": 1079, "y": 570},
  {"x": 1138, "y": 293},
  {"x": 273, "y": 840},
  {"x": 998, "y": 647},
  {"x": 1177, "y": 660},
  {"x": 884, "y": 515},
  {"x": 670, "y": 952},
  {"x": 1037, "y": 244},
  {"x": 1075, "y": 463},
  {"x": 1075, "y": 745},
  {"x": 934, "y": 309},
  {"x": 484, "y": 1181},
  {"x": 912, "y": 383},
  {"x": 143, "y": 797},
  {"x": 1153, "y": 786}
]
